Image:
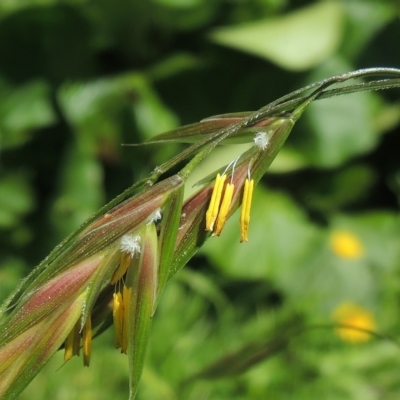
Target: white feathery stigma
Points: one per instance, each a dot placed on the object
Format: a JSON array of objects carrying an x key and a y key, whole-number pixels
[
  {"x": 130, "y": 244},
  {"x": 156, "y": 216},
  {"x": 261, "y": 140}
]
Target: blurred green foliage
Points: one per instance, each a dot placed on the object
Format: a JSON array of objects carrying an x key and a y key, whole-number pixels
[{"x": 79, "y": 77}]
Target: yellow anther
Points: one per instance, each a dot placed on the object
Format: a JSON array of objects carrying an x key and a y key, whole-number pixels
[
  {"x": 126, "y": 299},
  {"x": 245, "y": 212},
  {"x": 68, "y": 347},
  {"x": 126, "y": 259},
  {"x": 118, "y": 312},
  {"x": 223, "y": 212},
  {"x": 87, "y": 341},
  {"x": 72, "y": 343},
  {"x": 213, "y": 208}
]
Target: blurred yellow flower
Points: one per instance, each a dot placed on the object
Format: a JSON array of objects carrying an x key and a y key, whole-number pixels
[
  {"x": 356, "y": 319},
  {"x": 346, "y": 245}
]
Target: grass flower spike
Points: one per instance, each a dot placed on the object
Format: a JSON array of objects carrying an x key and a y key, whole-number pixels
[
  {"x": 114, "y": 268},
  {"x": 56, "y": 308}
]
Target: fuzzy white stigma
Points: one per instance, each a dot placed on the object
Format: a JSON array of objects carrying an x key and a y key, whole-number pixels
[
  {"x": 261, "y": 140},
  {"x": 130, "y": 244},
  {"x": 156, "y": 216}
]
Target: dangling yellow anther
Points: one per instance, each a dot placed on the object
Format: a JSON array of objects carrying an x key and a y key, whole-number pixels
[
  {"x": 72, "y": 343},
  {"x": 213, "y": 208},
  {"x": 68, "y": 346},
  {"x": 126, "y": 299},
  {"x": 245, "y": 213},
  {"x": 87, "y": 341},
  {"x": 126, "y": 259},
  {"x": 118, "y": 313},
  {"x": 223, "y": 212}
]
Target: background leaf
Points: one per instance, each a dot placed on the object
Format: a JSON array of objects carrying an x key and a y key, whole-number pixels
[{"x": 290, "y": 41}]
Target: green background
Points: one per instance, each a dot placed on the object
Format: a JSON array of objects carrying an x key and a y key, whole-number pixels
[{"x": 80, "y": 77}]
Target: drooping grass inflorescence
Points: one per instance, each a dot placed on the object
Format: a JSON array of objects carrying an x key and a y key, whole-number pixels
[{"x": 114, "y": 268}]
